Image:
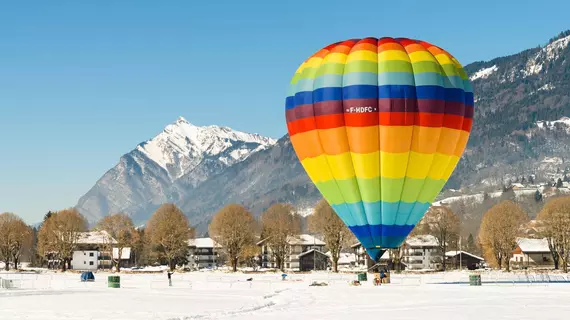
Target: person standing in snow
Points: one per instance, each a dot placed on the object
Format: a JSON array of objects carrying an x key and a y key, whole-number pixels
[{"x": 169, "y": 278}]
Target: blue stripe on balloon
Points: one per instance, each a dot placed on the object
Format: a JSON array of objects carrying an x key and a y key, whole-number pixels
[
  {"x": 375, "y": 213},
  {"x": 382, "y": 230},
  {"x": 378, "y": 92}
]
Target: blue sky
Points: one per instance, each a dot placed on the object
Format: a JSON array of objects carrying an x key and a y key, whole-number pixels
[{"x": 83, "y": 82}]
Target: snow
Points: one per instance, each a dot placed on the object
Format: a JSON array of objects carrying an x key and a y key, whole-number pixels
[
  {"x": 305, "y": 212},
  {"x": 484, "y": 73},
  {"x": 533, "y": 245},
  {"x": 550, "y": 52},
  {"x": 546, "y": 87},
  {"x": 95, "y": 237},
  {"x": 455, "y": 253},
  {"x": 304, "y": 239},
  {"x": 344, "y": 258},
  {"x": 203, "y": 243},
  {"x": 425, "y": 240},
  {"x": 182, "y": 145},
  {"x": 215, "y": 295},
  {"x": 307, "y": 252}
]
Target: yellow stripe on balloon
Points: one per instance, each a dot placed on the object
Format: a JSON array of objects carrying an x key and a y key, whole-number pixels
[
  {"x": 393, "y": 164},
  {"x": 419, "y": 56},
  {"x": 442, "y": 58},
  {"x": 341, "y": 166},
  {"x": 366, "y": 165},
  {"x": 419, "y": 165},
  {"x": 360, "y": 55},
  {"x": 439, "y": 165},
  {"x": 335, "y": 57},
  {"x": 393, "y": 55},
  {"x": 450, "y": 167},
  {"x": 317, "y": 168},
  {"x": 313, "y": 62}
]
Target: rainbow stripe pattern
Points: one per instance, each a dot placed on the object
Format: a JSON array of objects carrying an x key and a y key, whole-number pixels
[{"x": 379, "y": 126}]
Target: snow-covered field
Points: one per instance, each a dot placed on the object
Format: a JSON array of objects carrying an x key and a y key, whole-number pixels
[{"x": 216, "y": 295}]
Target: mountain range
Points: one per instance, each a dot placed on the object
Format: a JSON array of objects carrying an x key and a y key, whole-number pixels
[{"x": 519, "y": 130}]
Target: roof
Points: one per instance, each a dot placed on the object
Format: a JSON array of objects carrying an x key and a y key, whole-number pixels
[
  {"x": 310, "y": 251},
  {"x": 455, "y": 253},
  {"x": 425, "y": 240},
  {"x": 533, "y": 245},
  {"x": 125, "y": 253},
  {"x": 95, "y": 237},
  {"x": 304, "y": 239},
  {"x": 203, "y": 243}
]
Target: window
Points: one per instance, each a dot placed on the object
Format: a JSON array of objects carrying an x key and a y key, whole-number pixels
[
  {"x": 90, "y": 263},
  {"x": 90, "y": 254},
  {"x": 84, "y": 262}
]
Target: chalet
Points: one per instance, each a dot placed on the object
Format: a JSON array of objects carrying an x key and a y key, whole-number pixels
[
  {"x": 313, "y": 260},
  {"x": 203, "y": 253},
  {"x": 532, "y": 253},
  {"x": 421, "y": 253},
  {"x": 299, "y": 247},
  {"x": 94, "y": 250},
  {"x": 462, "y": 259}
]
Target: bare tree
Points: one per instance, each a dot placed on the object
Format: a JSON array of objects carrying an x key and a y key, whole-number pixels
[
  {"x": 250, "y": 255},
  {"x": 8, "y": 236},
  {"x": 60, "y": 233},
  {"x": 325, "y": 221},
  {"x": 280, "y": 222},
  {"x": 500, "y": 227},
  {"x": 233, "y": 227},
  {"x": 22, "y": 242},
  {"x": 555, "y": 226},
  {"x": 443, "y": 224},
  {"x": 169, "y": 231},
  {"x": 121, "y": 228}
]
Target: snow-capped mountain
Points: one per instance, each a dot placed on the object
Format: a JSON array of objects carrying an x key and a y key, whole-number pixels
[{"x": 182, "y": 154}]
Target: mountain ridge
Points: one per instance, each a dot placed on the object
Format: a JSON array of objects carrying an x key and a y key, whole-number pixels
[{"x": 520, "y": 101}]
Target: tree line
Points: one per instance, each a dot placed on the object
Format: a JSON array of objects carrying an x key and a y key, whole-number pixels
[
  {"x": 165, "y": 237},
  {"x": 500, "y": 227}
]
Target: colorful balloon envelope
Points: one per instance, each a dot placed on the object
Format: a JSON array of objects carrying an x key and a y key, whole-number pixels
[{"x": 379, "y": 126}]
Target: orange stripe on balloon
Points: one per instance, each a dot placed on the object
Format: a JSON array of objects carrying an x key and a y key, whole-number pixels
[{"x": 307, "y": 145}]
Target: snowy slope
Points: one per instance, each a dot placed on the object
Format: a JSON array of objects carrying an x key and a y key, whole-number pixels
[{"x": 182, "y": 145}]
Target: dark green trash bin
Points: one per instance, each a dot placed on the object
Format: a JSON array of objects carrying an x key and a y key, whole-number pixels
[
  {"x": 475, "y": 280},
  {"x": 114, "y": 281},
  {"x": 362, "y": 277}
]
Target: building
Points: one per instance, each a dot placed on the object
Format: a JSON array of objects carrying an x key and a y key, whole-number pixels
[
  {"x": 532, "y": 253},
  {"x": 313, "y": 260},
  {"x": 297, "y": 245},
  {"x": 421, "y": 253},
  {"x": 203, "y": 253},
  {"x": 92, "y": 251},
  {"x": 463, "y": 259}
]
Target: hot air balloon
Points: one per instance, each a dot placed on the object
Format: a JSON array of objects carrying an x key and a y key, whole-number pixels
[{"x": 379, "y": 125}]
